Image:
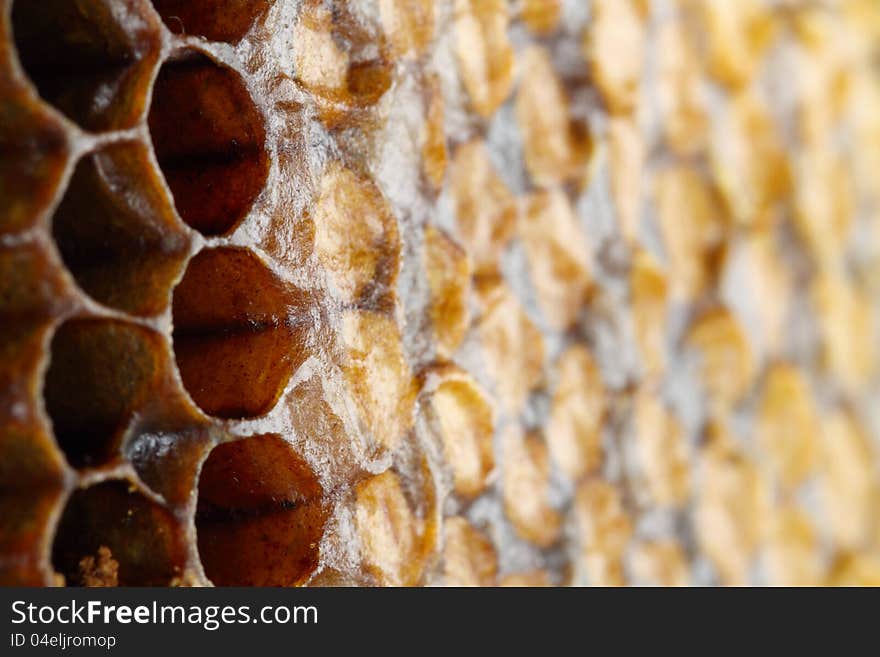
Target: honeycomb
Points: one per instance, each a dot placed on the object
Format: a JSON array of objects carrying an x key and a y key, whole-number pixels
[{"x": 453, "y": 292}]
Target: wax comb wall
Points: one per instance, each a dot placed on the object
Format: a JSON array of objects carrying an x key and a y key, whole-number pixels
[{"x": 464, "y": 292}]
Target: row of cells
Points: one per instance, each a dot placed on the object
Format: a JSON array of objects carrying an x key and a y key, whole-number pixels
[
  {"x": 120, "y": 239},
  {"x": 259, "y": 520},
  {"x": 95, "y": 61}
]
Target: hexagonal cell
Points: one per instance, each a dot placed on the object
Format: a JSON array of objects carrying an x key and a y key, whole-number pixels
[
  {"x": 463, "y": 419},
  {"x": 216, "y": 20},
  {"x": 356, "y": 235},
  {"x": 239, "y": 332},
  {"x": 260, "y": 514},
  {"x": 100, "y": 373},
  {"x": 117, "y": 233},
  {"x": 30, "y": 294},
  {"x": 209, "y": 140},
  {"x": 378, "y": 375},
  {"x": 340, "y": 59},
  {"x": 396, "y": 535},
  {"x": 113, "y": 533},
  {"x": 91, "y": 59},
  {"x": 35, "y": 151}
]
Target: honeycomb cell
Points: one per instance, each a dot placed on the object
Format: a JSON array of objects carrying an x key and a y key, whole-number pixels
[
  {"x": 554, "y": 150},
  {"x": 661, "y": 451},
  {"x": 484, "y": 207},
  {"x": 356, "y": 235},
  {"x": 239, "y": 332},
  {"x": 409, "y": 24},
  {"x": 626, "y": 157},
  {"x": 726, "y": 361},
  {"x": 577, "y": 413},
  {"x": 378, "y": 376},
  {"x": 100, "y": 373},
  {"x": 526, "y": 487},
  {"x": 615, "y": 48},
  {"x": 683, "y": 110},
  {"x": 757, "y": 266},
  {"x": 260, "y": 515},
  {"x": 731, "y": 507},
  {"x": 209, "y": 139},
  {"x": 748, "y": 161},
  {"x": 787, "y": 425},
  {"x": 485, "y": 55},
  {"x": 34, "y": 155},
  {"x": 649, "y": 295},
  {"x": 116, "y": 232},
  {"x": 469, "y": 558},
  {"x": 464, "y": 420},
  {"x": 392, "y": 536},
  {"x": 824, "y": 203},
  {"x": 691, "y": 222},
  {"x": 31, "y": 293},
  {"x": 143, "y": 538},
  {"x": 215, "y": 20},
  {"x": 92, "y": 59},
  {"x": 315, "y": 420},
  {"x": 848, "y": 484},
  {"x": 848, "y": 328},
  {"x": 449, "y": 276},
  {"x": 738, "y": 32},
  {"x": 513, "y": 349},
  {"x": 604, "y": 530},
  {"x": 340, "y": 60},
  {"x": 557, "y": 251}
]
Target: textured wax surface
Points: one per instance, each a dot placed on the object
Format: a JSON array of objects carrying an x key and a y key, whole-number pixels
[{"x": 464, "y": 292}]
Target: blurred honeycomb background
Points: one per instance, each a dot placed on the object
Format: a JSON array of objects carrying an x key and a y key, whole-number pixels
[{"x": 439, "y": 292}]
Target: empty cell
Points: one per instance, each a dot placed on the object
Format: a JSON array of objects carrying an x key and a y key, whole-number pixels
[
  {"x": 118, "y": 234},
  {"x": 209, "y": 139},
  {"x": 260, "y": 514},
  {"x": 91, "y": 59},
  {"x": 100, "y": 372},
  {"x": 33, "y": 157},
  {"x": 239, "y": 333}
]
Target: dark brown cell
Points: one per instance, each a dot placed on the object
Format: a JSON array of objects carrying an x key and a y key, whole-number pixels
[
  {"x": 216, "y": 20},
  {"x": 143, "y": 538},
  {"x": 101, "y": 371},
  {"x": 30, "y": 293},
  {"x": 260, "y": 514},
  {"x": 91, "y": 59},
  {"x": 117, "y": 232},
  {"x": 209, "y": 139},
  {"x": 239, "y": 333},
  {"x": 33, "y": 156}
]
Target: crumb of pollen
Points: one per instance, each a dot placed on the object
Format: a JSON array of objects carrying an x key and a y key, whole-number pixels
[{"x": 103, "y": 571}]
